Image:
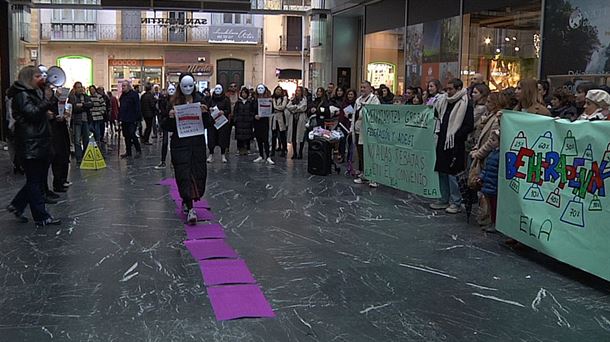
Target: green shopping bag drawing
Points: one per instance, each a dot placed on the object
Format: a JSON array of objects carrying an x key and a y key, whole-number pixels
[{"x": 569, "y": 148}]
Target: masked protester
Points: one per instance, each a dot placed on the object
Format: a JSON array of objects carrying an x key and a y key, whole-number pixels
[
  {"x": 219, "y": 137},
  {"x": 261, "y": 127},
  {"x": 188, "y": 153},
  {"x": 31, "y": 110}
]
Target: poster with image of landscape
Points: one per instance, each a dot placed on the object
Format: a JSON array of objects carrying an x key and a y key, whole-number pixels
[
  {"x": 579, "y": 32},
  {"x": 450, "y": 39},
  {"x": 432, "y": 41}
]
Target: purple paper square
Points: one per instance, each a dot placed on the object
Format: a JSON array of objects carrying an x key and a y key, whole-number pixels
[
  {"x": 202, "y": 214},
  {"x": 204, "y": 231},
  {"x": 201, "y": 204},
  {"x": 225, "y": 271},
  {"x": 209, "y": 249},
  {"x": 239, "y": 301},
  {"x": 168, "y": 182}
]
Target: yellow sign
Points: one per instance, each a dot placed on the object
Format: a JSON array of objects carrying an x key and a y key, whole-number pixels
[{"x": 93, "y": 159}]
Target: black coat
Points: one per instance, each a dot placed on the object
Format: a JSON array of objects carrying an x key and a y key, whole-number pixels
[
  {"x": 220, "y": 137},
  {"x": 148, "y": 105},
  {"x": 453, "y": 161},
  {"x": 129, "y": 110},
  {"x": 243, "y": 118},
  {"x": 565, "y": 112},
  {"x": 32, "y": 132},
  {"x": 188, "y": 157},
  {"x": 261, "y": 126}
]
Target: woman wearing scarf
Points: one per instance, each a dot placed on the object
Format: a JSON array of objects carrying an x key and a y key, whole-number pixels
[
  {"x": 188, "y": 153},
  {"x": 278, "y": 122},
  {"x": 298, "y": 110},
  {"x": 456, "y": 120},
  {"x": 219, "y": 137},
  {"x": 597, "y": 102},
  {"x": 243, "y": 118}
]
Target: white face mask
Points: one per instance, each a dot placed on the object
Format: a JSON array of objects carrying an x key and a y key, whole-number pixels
[
  {"x": 171, "y": 89},
  {"x": 218, "y": 89},
  {"x": 43, "y": 71},
  {"x": 187, "y": 85},
  {"x": 260, "y": 89}
]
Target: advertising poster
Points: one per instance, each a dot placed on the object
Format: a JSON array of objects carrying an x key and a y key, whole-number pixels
[
  {"x": 552, "y": 188},
  {"x": 432, "y": 41}
]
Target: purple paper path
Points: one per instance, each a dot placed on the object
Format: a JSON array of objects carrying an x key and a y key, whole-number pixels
[
  {"x": 175, "y": 195},
  {"x": 208, "y": 249},
  {"x": 225, "y": 271},
  {"x": 239, "y": 301},
  {"x": 204, "y": 231},
  {"x": 202, "y": 214},
  {"x": 168, "y": 181}
]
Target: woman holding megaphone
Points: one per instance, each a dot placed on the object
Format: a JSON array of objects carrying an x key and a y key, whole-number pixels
[{"x": 31, "y": 108}]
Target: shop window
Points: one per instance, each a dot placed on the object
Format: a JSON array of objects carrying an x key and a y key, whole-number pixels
[
  {"x": 384, "y": 59},
  {"x": 229, "y": 70}
]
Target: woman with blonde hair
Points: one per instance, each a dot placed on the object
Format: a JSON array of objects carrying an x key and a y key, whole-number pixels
[{"x": 529, "y": 100}]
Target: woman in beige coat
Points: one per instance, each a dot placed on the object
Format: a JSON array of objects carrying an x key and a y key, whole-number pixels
[
  {"x": 297, "y": 118},
  {"x": 278, "y": 122}
]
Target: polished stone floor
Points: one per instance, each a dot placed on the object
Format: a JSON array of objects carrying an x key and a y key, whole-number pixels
[{"x": 337, "y": 261}]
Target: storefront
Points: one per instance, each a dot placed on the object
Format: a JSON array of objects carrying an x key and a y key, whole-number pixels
[{"x": 138, "y": 71}]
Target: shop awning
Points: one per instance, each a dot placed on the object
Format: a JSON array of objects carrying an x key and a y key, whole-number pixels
[{"x": 289, "y": 74}]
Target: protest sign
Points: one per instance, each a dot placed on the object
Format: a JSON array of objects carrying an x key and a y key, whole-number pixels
[
  {"x": 399, "y": 148},
  {"x": 188, "y": 120},
  {"x": 219, "y": 119},
  {"x": 551, "y": 188},
  {"x": 265, "y": 109}
]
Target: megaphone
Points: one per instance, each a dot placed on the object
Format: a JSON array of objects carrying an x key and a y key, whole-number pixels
[{"x": 56, "y": 76}]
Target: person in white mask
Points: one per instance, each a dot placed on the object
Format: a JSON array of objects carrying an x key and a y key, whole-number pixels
[
  {"x": 219, "y": 137},
  {"x": 188, "y": 153},
  {"x": 261, "y": 127}
]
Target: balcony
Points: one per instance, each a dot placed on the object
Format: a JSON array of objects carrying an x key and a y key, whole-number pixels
[{"x": 145, "y": 33}]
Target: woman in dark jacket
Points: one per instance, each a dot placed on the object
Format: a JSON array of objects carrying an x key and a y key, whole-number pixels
[
  {"x": 31, "y": 111},
  {"x": 243, "y": 118},
  {"x": 320, "y": 107},
  {"x": 348, "y": 108},
  {"x": 561, "y": 105},
  {"x": 262, "y": 128},
  {"x": 219, "y": 137},
  {"x": 385, "y": 95},
  {"x": 188, "y": 153},
  {"x": 338, "y": 99}
]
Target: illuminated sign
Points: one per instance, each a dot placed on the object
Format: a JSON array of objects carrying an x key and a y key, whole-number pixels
[{"x": 77, "y": 69}]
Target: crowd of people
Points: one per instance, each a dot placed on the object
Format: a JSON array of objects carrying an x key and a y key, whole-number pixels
[{"x": 468, "y": 129}]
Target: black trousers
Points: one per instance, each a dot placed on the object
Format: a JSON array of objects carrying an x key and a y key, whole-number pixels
[
  {"x": 148, "y": 130},
  {"x": 31, "y": 193},
  {"x": 164, "y": 144},
  {"x": 129, "y": 132}
]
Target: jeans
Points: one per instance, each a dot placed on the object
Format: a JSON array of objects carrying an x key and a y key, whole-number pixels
[
  {"x": 129, "y": 132},
  {"x": 450, "y": 189},
  {"x": 81, "y": 134},
  {"x": 31, "y": 193},
  {"x": 98, "y": 127}
]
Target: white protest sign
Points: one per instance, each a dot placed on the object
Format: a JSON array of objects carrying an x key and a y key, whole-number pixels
[
  {"x": 188, "y": 120},
  {"x": 265, "y": 109}
]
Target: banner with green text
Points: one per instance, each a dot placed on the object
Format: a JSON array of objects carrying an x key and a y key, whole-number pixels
[
  {"x": 399, "y": 148},
  {"x": 551, "y": 188}
]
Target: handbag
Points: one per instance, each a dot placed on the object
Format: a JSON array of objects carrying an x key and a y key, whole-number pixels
[{"x": 474, "y": 175}]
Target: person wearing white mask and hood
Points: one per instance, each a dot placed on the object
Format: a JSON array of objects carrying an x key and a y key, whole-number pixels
[
  {"x": 188, "y": 153},
  {"x": 164, "y": 99},
  {"x": 261, "y": 127},
  {"x": 219, "y": 137}
]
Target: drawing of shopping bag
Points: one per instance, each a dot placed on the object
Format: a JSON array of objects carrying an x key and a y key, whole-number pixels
[
  {"x": 544, "y": 143},
  {"x": 519, "y": 141},
  {"x": 534, "y": 193},
  {"x": 554, "y": 198},
  {"x": 574, "y": 213},
  {"x": 596, "y": 204},
  {"x": 588, "y": 154},
  {"x": 569, "y": 145},
  {"x": 607, "y": 155},
  {"x": 514, "y": 184}
]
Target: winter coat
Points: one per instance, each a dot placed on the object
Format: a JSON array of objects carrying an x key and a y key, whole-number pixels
[
  {"x": 243, "y": 118},
  {"x": 297, "y": 119},
  {"x": 565, "y": 112},
  {"x": 261, "y": 126},
  {"x": 148, "y": 105},
  {"x": 278, "y": 120},
  {"x": 129, "y": 110},
  {"x": 453, "y": 161},
  {"x": 82, "y": 114},
  {"x": 489, "y": 138},
  {"x": 114, "y": 110},
  {"x": 220, "y": 137},
  {"x": 489, "y": 174},
  {"x": 32, "y": 132},
  {"x": 357, "y": 118},
  {"x": 188, "y": 156},
  {"x": 345, "y": 120}
]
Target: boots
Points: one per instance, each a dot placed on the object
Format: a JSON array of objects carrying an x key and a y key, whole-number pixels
[{"x": 301, "y": 145}]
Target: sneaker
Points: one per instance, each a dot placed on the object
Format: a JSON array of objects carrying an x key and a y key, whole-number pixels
[
  {"x": 191, "y": 217},
  {"x": 224, "y": 159},
  {"x": 373, "y": 185},
  {"x": 259, "y": 159},
  {"x": 439, "y": 205},
  {"x": 270, "y": 162},
  {"x": 453, "y": 209},
  {"x": 358, "y": 180},
  {"x": 48, "y": 222},
  {"x": 160, "y": 166},
  {"x": 67, "y": 184},
  {"x": 210, "y": 158}
]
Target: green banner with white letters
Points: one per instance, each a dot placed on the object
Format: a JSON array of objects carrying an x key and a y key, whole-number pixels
[
  {"x": 400, "y": 148},
  {"x": 551, "y": 188}
]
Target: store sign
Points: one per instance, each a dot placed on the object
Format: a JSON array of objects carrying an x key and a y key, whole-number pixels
[
  {"x": 174, "y": 22},
  {"x": 243, "y": 35},
  {"x": 196, "y": 69},
  {"x": 124, "y": 62}
]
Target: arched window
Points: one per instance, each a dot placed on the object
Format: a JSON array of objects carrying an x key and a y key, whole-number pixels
[{"x": 230, "y": 70}]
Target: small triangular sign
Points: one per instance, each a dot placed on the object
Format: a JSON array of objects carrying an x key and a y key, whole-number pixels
[{"x": 93, "y": 159}]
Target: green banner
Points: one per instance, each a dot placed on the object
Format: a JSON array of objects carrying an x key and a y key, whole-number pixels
[
  {"x": 551, "y": 188},
  {"x": 400, "y": 148}
]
